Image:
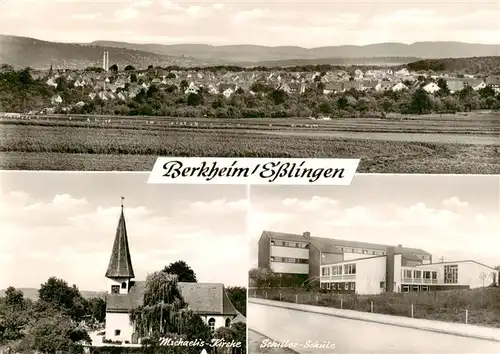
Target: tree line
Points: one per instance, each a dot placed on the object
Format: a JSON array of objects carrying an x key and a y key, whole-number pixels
[
  {"x": 19, "y": 92},
  {"x": 61, "y": 318}
]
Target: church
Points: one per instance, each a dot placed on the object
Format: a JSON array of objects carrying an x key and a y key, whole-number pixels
[{"x": 209, "y": 300}]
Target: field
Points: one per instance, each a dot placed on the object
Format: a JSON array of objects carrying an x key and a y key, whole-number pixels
[
  {"x": 483, "y": 305},
  {"x": 424, "y": 144}
]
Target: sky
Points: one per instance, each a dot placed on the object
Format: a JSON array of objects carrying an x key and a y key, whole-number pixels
[
  {"x": 64, "y": 225},
  {"x": 455, "y": 217},
  {"x": 272, "y": 22}
]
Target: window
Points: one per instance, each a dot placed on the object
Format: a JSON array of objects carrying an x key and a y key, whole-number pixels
[
  {"x": 407, "y": 274},
  {"x": 115, "y": 289},
  {"x": 211, "y": 324},
  {"x": 334, "y": 286},
  {"x": 382, "y": 285},
  {"x": 451, "y": 274},
  {"x": 373, "y": 252},
  {"x": 124, "y": 285},
  {"x": 337, "y": 270},
  {"x": 117, "y": 332},
  {"x": 406, "y": 288},
  {"x": 328, "y": 286},
  {"x": 350, "y": 268},
  {"x": 434, "y": 275},
  {"x": 353, "y": 250},
  {"x": 346, "y": 286},
  {"x": 353, "y": 286},
  {"x": 427, "y": 274},
  {"x": 417, "y": 274},
  {"x": 228, "y": 322},
  {"x": 365, "y": 251}
]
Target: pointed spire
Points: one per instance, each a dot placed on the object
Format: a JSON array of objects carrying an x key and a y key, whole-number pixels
[{"x": 120, "y": 263}]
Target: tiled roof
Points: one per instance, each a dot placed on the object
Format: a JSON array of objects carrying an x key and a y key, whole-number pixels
[
  {"x": 328, "y": 245},
  {"x": 203, "y": 298},
  {"x": 120, "y": 262}
]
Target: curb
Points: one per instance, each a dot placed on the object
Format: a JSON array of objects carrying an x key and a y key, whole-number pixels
[
  {"x": 263, "y": 335},
  {"x": 428, "y": 329}
]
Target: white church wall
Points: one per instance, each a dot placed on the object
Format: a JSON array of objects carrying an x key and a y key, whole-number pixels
[
  {"x": 220, "y": 321},
  {"x": 119, "y": 282},
  {"x": 121, "y": 322}
]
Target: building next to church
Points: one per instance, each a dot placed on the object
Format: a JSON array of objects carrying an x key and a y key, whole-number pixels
[
  {"x": 209, "y": 300},
  {"x": 365, "y": 268}
]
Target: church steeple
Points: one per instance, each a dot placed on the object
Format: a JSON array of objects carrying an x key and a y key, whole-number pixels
[{"x": 120, "y": 263}]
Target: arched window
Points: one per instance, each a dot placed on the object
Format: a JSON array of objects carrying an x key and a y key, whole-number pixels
[
  {"x": 211, "y": 324},
  {"x": 228, "y": 322},
  {"x": 124, "y": 285}
]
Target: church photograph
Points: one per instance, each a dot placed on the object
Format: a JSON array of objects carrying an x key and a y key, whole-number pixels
[{"x": 126, "y": 264}]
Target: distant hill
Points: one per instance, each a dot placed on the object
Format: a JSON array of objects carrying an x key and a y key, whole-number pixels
[
  {"x": 378, "y": 61},
  {"x": 476, "y": 65},
  {"x": 254, "y": 53},
  {"x": 21, "y": 52},
  {"x": 32, "y": 293}
]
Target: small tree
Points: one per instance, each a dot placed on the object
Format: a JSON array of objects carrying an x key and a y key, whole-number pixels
[
  {"x": 238, "y": 297},
  {"x": 182, "y": 270},
  {"x": 263, "y": 277},
  {"x": 164, "y": 313}
]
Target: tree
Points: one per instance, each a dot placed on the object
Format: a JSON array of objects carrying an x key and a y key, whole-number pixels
[
  {"x": 182, "y": 270},
  {"x": 183, "y": 85},
  {"x": 238, "y": 297},
  {"x": 278, "y": 96},
  {"x": 263, "y": 277},
  {"x": 129, "y": 68},
  {"x": 97, "y": 308},
  {"x": 194, "y": 99},
  {"x": 342, "y": 103},
  {"x": 420, "y": 102},
  {"x": 165, "y": 313},
  {"x": 14, "y": 297},
  {"x": 235, "y": 333},
  {"x": 113, "y": 68},
  {"x": 444, "y": 90},
  {"x": 55, "y": 333},
  {"x": 60, "y": 295}
]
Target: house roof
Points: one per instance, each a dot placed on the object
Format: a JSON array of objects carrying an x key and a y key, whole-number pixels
[
  {"x": 120, "y": 262},
  {"x": 329, "y": 245},
  {"x": 203, "y": 298}
]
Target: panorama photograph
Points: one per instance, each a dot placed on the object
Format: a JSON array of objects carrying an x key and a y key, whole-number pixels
[
  {"x": 108, "y": 264},
  {"x": 408, "y": 87},
  {"x": 393, "y": 264}
]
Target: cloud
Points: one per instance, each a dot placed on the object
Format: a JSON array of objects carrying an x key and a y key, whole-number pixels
[
  {"x": 251, "y": 15},
  {"x": 128, "y": 13},
  {"x": 86, "y": 17},
  {"x": 454, "y": 202},
  {"x": 71, "y": 238}
]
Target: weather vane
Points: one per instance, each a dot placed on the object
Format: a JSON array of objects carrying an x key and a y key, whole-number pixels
[{"x": 122, "y": 201}]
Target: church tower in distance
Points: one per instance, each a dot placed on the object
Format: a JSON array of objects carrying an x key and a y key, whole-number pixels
[{"x": 120, "y": 271}]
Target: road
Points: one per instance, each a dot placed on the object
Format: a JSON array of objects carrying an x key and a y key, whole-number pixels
[{"x": 354, "y": 336}]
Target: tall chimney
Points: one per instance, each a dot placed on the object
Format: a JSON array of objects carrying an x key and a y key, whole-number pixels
[
  {"x": 104, "y": 60},
  {"x": 107, "y": 61}
]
